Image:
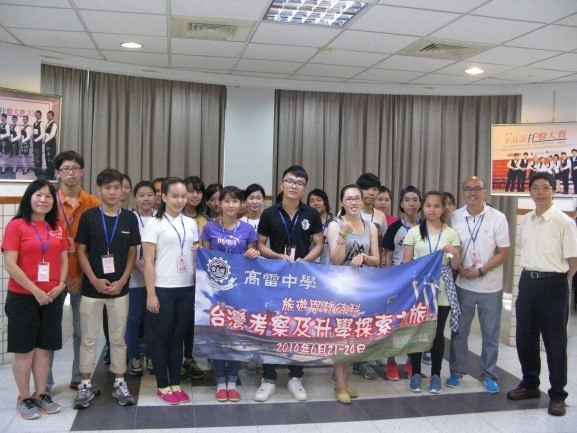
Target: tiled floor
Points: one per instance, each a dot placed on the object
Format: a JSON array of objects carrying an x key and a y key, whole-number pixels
[{"x": 383, "y": 406}]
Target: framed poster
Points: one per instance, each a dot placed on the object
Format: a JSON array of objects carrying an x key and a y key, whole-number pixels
[
  {"x": 518, "y": 151},
  {"x": 29, "y": 135}
]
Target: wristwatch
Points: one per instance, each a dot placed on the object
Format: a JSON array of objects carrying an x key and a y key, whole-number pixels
[
  {"x": 364, "y": 257},
  {"x": 481, "y": 273}
]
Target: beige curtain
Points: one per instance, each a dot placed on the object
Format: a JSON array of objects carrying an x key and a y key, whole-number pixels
[
  {"x": 144, "y": 127},
  {"x": 432, "y": 142}
]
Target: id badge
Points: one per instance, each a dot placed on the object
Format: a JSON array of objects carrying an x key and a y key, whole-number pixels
[
  {"x": 180, "y": 265},
  {"x": 72, "y": 249},
  {"x": 36, "y": 131},
  {"x": 290, "y": 251},
  {"x": 108, "y": 263},
  {"x": 43, "y": 272}
]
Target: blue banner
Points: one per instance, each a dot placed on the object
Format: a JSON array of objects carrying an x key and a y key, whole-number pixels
[{"x": 275, "y": 312}]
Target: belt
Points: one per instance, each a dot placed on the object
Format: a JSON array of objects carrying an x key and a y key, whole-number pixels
[{"x": 539, "y": 275}]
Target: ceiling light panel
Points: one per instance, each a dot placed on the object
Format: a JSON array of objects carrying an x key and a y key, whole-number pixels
[{"x": 316, "y": 12}]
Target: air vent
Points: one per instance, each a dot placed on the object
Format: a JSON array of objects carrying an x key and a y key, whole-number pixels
[
  {"x": 444, "y": 49},
  {"x": 210, "y": 29}
]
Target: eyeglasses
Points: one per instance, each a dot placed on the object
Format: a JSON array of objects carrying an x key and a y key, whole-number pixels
[
  {"x": 350, "y": 200},
  {"x": 545, "y": 188},
  {"x": 469, "y": 190},
  {"x": 67, "y": 170},
  {"x": 297, "y": 183}
]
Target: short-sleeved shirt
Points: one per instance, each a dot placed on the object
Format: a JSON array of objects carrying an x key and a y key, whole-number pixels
[
  {"x": 547, "y": 241},
  {"x": 305, "y": 223},
  {"x": 378, "y": 218},
  {"x": 136, "y": 277},
  {"x": 233, "y": 241},
  {"x": 164, "y": 233},
  {"x": 393, "y": 240},
  {"x": 252, "y": 222},
  {"x": 69, "y": 216},
  {"x": 91, "y": 233},
  {"x": 448, "y": 236},
  {"x": 200, "y": 220},
  {"x": 490, "y": 230},
  {"x": 21, "y": 236}
]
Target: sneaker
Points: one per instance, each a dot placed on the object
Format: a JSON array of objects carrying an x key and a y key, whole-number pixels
[
  {"x": 453, "y": 381},
  {"x": 409, "y": 368},
  {"x": 265, "y": 391},
  {"x": 435, "y": 384},
  {"x": 184, "y": 375},
  {"x": 83, "y": 397},
  {"x": 107, "y": 355},
  {"x": 75, "y": 384},
  {"x": 194, "y": 371},
  {"x": 167, "y": 397},
  {"x": 415, "y": 384},
  {"x": 296, "y": 388},
  {"x": 45, "y": 403},
  {"x": 364, "y": 370},
  {"x": 181, "y": 395},
  {"x": 135, "y": 366},
  {"x": 27, "y": 408},
  {"x": 427, "y": 358},
  {"x": 233, "y": 395},
  {"x": 391, "y": 371},
  {"x": 149, "y": 366},
  {"x": 221, "y": 395},
  {"x": 491, "y": 386},
  {"x": 122, "y": 394}
]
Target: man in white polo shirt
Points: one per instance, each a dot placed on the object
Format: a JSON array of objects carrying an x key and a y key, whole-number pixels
[
  {"x": 484, "y": 234},
  {"x": 548, "y": 242}
]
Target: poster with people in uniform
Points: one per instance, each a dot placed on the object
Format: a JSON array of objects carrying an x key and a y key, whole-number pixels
[{"x": 29, "y": 135}]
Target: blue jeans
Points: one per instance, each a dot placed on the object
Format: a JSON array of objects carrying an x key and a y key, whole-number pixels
[
  {"x": 168, "y": 326},
  {"x": 136, "y": 316},
  {"x": 219, "y": 370},
  {"x": 489, "y": 306}
]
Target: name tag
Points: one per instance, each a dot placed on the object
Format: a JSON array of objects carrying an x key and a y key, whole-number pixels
[
  {"x": 290, "y": 250},
  {"x": 108, "y": 263},
  {"x": 180, "y": 265},
  {"x": 43, "y": 272},
  {"x": 36, "y": 131}
]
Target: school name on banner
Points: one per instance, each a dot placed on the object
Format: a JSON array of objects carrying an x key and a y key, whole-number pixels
[{"x": 272, "y": 311}]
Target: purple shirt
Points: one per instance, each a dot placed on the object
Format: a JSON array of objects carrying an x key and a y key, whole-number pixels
[{"x": 233, "y": 241}]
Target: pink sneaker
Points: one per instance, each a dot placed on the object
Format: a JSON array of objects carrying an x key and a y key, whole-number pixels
[
  {"x": 167, "y": 397},
  {"x": 221, "y": 395},
  {"x": 233, "y": 395},
  {"x": 181, "y": 395}
]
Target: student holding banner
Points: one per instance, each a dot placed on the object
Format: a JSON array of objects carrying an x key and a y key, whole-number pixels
[
  {"x": 229, "y": 235},
  {"x": 431, "y": 235},
  {"x": 352, "y": 242}
]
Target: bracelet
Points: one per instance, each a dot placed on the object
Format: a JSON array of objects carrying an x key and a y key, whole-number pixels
[
  {"x": 481, "y": 273},
  {"x": 365, "y": 258},
  {"x": 341, "y": 243},
  {"x": 342, "y": 236}
]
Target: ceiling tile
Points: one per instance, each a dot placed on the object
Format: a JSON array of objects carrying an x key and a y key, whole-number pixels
[
  {"x": 372, "y": 42},
  {"x": 80, "y": 52},
  {"x": 306, "y": 36},
  {"x": 568, "y": 78},
  {"x": 531, "y": 75},
  {"x": 390, "y": 19},
  {"x": 261, "y": 75},
  {"x": 444, "y": 79},
  {"x": 459, "y": 69},
  {"x": 559, "y": 38},
  {"x": 267, "y": 66},
  {"x": 203, "y": 62},
  {"x": 512, "y": 56},
  {"x": 317, "y": 78},
  {"x": 53, "y": 38},
  {"x": 147, "y": 59},
  {"x": 279, "y": 52},
  {"x": 141, "y": 7},
  {"x": 120, "y": 22},
  {"x": 388, "y": 76},
  {"x": 151, "y": 44},
  {"x": 417, "y": 64},
  {"x": 495, "y": 81},
  {"x": 42, "y": 3},
  {"x": 7, "y": 37},
  {"x": 253, "y": 10},
  {"x": 569, "y": 21},
  {"x": 330, "y": 70},
  {"x": 531, "y": 10},
  {"x": 206, "y": 48},
  {"x": 458, "y": 6},
  {"x": 348, "y": 58},
  {"x": 484, "y": 30},
  {"x": 39, "y": 18},
  {"x": 563, "y": 62}
]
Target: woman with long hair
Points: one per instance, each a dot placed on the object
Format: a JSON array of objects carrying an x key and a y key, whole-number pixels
[
  {"x": 212, "y": 197},
  {"x": 319, "y": 200}
]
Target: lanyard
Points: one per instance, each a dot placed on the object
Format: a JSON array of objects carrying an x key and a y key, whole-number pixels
[
  {"x": 181, "y": 240},
  {"x": 227, "y": 250},
  {"x": 475, "y": 232},
  {"x": 68, "y": 223},
  {"x": 43, "y": 246},
  {"x": 406, "y": 226},
  {"x": 289, "y": 235},
  {"x": 109, "y": 241},
  {"x": 429, "y": 240}
]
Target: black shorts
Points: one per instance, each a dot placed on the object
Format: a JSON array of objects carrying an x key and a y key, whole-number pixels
[{"x": 33, "y": 326}]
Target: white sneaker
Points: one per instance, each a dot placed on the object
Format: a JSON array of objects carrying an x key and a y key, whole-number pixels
[
  {"x": 295, "y": 387},
  {"x": 265, "y": 391}
]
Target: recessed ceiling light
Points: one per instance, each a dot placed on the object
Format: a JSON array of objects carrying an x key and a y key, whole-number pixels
[
  {"x": 325, "y": 50},
  {"x": 131, "y": 45},
  {"x": 319, "y": 12},
  {"x": 474, "y": 71}
]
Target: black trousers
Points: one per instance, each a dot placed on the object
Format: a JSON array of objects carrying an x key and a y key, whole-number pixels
[
  {"x": 438, "y": 348},
  {"x": 512, "y": 176},
  {"x": 543, "y": 309}
]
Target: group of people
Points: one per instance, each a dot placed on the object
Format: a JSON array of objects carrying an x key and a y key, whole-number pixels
[
  {"x": 560, "y": 166},
  {"x": 35, "y": 143},
  {"x": 136, "y": 268}
]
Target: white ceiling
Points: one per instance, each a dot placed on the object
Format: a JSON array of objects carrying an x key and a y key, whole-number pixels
[{"x": 535, "y": 41}]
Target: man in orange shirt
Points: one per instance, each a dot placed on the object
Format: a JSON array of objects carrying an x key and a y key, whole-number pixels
[{"x": 72, "y": 202}]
